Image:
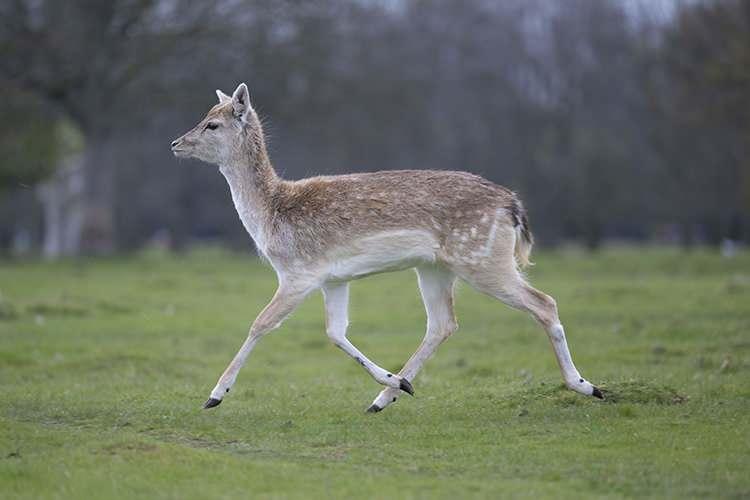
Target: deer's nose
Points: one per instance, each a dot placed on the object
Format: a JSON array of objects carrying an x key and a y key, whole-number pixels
[{"x": 175, "y": 142}]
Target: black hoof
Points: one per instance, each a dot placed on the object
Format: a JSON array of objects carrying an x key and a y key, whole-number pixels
[
  {"x": 405, "y": 386},
  {"x": 597, "y": 393},
  {"x": 374, "y": 409},
  {"x": 211, "y": 403}
]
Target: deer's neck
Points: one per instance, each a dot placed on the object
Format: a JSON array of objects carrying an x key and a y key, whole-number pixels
[{"x": 253, "y": 183}]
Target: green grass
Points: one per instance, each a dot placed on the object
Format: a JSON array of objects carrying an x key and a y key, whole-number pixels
[{"x": 104, "y": 365}]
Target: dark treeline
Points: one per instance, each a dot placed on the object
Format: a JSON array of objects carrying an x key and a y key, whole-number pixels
[{"x": 613, "y": 119}]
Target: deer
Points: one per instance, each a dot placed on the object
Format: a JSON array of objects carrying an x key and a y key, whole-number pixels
[{"x": 322, "y": 232}]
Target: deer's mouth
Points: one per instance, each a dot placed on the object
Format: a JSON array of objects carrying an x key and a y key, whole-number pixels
[
  {"x": 179, "y": 150},
  {"x": 180, "y": 153}
]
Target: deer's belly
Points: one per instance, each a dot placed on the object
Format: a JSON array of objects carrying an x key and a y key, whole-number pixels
[{"x": 382, "y": 252}]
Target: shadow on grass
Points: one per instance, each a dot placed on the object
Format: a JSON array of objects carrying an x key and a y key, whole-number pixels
[{"x": 60, "y": 307}]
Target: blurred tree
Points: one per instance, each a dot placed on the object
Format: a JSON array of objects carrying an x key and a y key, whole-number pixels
[
  {"x": 609, "y": 122},
  {"x": 29, "y": 144},
  {"x": 707, "y": 59},
  {"x": 86, "y": 59}
]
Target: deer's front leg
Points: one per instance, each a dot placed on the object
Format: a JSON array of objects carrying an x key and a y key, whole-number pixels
[
  {"x": 286, "y": 300},
  {"x": 337, "y": 320}
]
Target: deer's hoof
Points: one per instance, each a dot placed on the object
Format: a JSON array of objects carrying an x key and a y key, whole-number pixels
[
  {"x": 597, "y": 393},
  {"x": 405, "y": 386},
  {"x": 374, "y": 409},
  {"x": 211, "y": 403}
]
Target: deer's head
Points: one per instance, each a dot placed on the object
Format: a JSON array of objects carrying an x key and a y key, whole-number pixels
[{"x": 222, "y": 136}]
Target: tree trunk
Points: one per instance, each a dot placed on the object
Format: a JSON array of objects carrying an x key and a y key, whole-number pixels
[
  {"x": 62, "y": 198},
  {"x": 78, "y": 205},
  {"x": 98, "y": 231}
]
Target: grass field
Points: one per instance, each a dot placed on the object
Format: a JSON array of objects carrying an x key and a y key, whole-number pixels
[{"x": 104, "y": 366}]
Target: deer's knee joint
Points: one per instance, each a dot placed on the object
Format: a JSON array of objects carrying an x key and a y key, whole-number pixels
[
  {"x": 552, "y": 305},
  {"x": 450, "y": 328},
  {"x": 545, "y": 311},
  {"x": 443, "y": 330},
  {"x": 257, "y": 335},
  {"x": 337, "y": 338},
  {"x": 541, "y": 299},
  {"x": 549, "y": 304},
  {"x": 262, "y": 329},
  {"x": 337, "y": 332}
]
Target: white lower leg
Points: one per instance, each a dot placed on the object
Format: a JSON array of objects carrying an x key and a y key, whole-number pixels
[
  {"x": 570, "y": 373},
  {"x": 227, "y": 379},
  {"x": 282, "y": 304},
  {"x": 336, "y": 301},
  {"x": 379, "y": 374},
  {"x": 544, "y": 310},
  {"x": 410, "y": 369}
]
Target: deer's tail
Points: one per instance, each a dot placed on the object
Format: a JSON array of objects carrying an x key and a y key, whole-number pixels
[{"x": 524, "y": 238}]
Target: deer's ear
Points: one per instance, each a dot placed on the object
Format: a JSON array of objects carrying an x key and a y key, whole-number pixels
[
  {"x": 222, "y": 97},
  {"x": 241, "y": 102}
]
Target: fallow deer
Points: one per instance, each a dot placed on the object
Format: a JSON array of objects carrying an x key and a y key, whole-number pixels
[{"x": 322, "y": 232}]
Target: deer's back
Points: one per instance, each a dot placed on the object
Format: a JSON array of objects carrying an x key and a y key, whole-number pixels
[{"x": 321, "y": 212}]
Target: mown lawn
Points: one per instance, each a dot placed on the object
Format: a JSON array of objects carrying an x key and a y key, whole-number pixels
[{"x": 104, "y": 366}]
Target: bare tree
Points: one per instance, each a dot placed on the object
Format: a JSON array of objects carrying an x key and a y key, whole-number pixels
[{"x": 86, "y": 59}]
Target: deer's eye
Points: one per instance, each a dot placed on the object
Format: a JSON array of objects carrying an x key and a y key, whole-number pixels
[{"x": 212, "y": 125}]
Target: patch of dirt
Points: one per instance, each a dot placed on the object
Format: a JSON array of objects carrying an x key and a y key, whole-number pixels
[
  {"x": 56, "y": 308},
  {"x": 8, "y": 310},
  {"x": 113, "y": 308},
  {"x": 627, "y": 391},
  {"x": 641, "y": 392},
  {"x": 129, "y": 447}
]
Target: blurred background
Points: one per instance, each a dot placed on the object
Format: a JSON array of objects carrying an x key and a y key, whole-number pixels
[{"x": 615, "y": 120}]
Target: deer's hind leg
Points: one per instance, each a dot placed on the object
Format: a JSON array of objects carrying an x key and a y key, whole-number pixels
[
  {"x": 436, "y": 286},
  {"x": 498, "y": 276}
]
